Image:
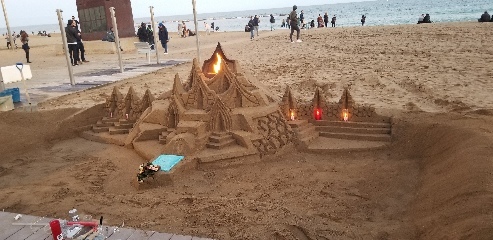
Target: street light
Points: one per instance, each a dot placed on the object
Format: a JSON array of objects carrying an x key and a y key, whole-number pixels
[{"x": 8, "y": 26}]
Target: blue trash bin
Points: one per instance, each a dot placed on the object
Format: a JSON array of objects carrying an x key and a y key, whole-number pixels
[
  {"x": 14, "y": 92},
  {"x": 16, "y": 95}
]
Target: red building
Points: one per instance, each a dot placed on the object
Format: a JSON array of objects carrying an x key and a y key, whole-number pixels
[{"x": 95, "y": 18}]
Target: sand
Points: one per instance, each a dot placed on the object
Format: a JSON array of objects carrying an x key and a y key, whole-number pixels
[{"x": 434, "y": 182}]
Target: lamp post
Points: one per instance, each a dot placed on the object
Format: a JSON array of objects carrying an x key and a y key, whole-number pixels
[
  {"x": 8, "y": 26},
  {"x": 65, "y": 46},
  {"x": 154, "y": 32},
  {"x": 117, "y": 39},
  {"x": 196, "y": 30}
]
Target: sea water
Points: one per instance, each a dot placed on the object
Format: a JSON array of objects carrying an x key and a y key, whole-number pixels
[{"x": 381, "y": 12}]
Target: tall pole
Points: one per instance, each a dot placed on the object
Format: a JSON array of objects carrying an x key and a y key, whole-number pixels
[
  {"x": 117, "y": 38},
  {"x": 8, "y": 26},
  {"x": 196, "y": 30},
  {"x": 156, "y": 39},
  {"x": 65, "y": 46}
]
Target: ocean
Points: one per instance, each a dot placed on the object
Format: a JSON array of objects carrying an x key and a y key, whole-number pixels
[{"x": 381, "y": 12}]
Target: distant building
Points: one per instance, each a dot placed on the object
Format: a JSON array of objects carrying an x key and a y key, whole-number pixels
[{"x": 95, "y": 18}]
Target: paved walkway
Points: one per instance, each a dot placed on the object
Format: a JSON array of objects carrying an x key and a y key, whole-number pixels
[
  {"x": 54, "y": 81},
  {"x": 37, "y": 228}
]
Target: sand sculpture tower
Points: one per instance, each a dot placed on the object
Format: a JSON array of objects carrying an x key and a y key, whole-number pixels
[{"x": 95, "y": 18}]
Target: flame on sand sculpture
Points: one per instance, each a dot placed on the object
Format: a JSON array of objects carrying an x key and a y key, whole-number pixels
[{"x": 217, "y": 66}]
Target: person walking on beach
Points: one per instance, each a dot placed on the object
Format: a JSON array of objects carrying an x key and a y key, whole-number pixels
[
  {"x": 320, "y": 21},
  {"x": 180, "y": 29},
  {"x": 207, "y": 29},
  {"x": 256, "y": 21},
  {"x": 293, "y": 16},
  {"x": 8, "y": 42},
  {"x": 288, "y": 24},
  {"x": 272, "y": 21},
  {"x": 71, "y": 34},
  {"x": 283, "y": 24},
  {"x": 251, "y": 27},
  {"x": 80, "y": 47},
  {"x": 333, "y": 21},
  {"x": 363, "y": 20},
  {"x": 302, "y": 17},
  {"x": 326, "y": 19},
  {"x": 163, "y": 37},
  {"x": 25, "y": 44}
]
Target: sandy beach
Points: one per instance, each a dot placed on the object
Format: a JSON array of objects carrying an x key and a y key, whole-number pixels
[{"x": 433, "y": 182}]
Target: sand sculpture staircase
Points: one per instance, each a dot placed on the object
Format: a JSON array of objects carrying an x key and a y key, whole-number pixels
[
  {"x": 164, "y": 135},
  {"x": 363, "y": 129},
  {"x": 220, "y": 140},
  {"x": 305, "y": 132},
  {"x": 113, "y": 126}
]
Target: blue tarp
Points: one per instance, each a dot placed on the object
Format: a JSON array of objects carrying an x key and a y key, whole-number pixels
[{"x": 167, "y": 162}]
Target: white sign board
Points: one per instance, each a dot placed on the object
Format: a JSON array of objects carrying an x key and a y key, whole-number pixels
[{"x": 12, "y": 74}]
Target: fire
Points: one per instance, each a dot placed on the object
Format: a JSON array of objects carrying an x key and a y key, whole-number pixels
[
  {"x": 292, "y": 115},
  {"x": 345, "y": 115},
  {"x": 217, "y": 66}
]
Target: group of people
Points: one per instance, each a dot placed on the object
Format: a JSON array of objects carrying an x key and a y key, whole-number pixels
[
  {"x": 321, "y": 21},
  {"x": 485, "y": 17},
  {"x": 75, "y": 44},
  {"x": 146, "y": 34},
  {"x": 424, "y": 18},
  {"x": 252, "y": 26}
]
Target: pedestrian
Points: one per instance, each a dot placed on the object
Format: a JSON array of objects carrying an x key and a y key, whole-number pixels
[
  {"x": 142, "y": 34},
  {"x": 320, "y": 21},
  {"x": 326, "y": 19},
  {"x": 283, "y": 24},
  {"x": 163, "y": 37},
  {"x": 256, "y": 21},
  {"x": 184, "y": 29},
  {"x": 293, "y": 16},
  {"x": 8, "y": 42},
  {"x": 272, "y": 21},
  {"x": 207, "y": 29},
  {"x": 80, "y": 47},
  {"x": 251, "y": 27},
  {"x": 363, "y": 20},
  {"x": 302, "y": 17},
  {"x": 25, "y": 44},
  {"x": 71, "y": 34},
  {"x": 333, "y": 21},
  {"x": 288, "y": 24},
  {"x": 180, "y": 29}
]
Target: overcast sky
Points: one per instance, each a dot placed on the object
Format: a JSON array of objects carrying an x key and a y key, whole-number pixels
[{"x": 38, "y": 12}]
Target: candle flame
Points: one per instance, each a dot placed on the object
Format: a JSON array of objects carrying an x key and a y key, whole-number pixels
[
  {"x": 217, "y": 66},
  {"x": 292, "y": 115},
  {"x": 345, "y": 115}
]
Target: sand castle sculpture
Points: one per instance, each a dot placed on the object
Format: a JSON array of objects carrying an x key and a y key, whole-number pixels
[{"x": 219, "y": 114}]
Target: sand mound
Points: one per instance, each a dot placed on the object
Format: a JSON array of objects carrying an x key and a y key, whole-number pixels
[
  {"x": 454, "y": 192},
  {"x": 26, "y": 131}
]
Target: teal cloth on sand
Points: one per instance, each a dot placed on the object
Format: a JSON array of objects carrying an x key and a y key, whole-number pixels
[{"x": 167, "y": 162}]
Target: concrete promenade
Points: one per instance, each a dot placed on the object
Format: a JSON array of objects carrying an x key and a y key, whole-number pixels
[{"x": 37, "y": 228}]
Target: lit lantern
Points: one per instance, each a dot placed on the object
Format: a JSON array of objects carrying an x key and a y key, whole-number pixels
[
  {"x": 126, "y": 115},
  {"x": 318, "y": 113},
  {"x": 291, "y": 114},
  {"x": 345, "y": 115},
  {"x": 217, "y": 66},
  {"x": 111, "y": 114}
]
